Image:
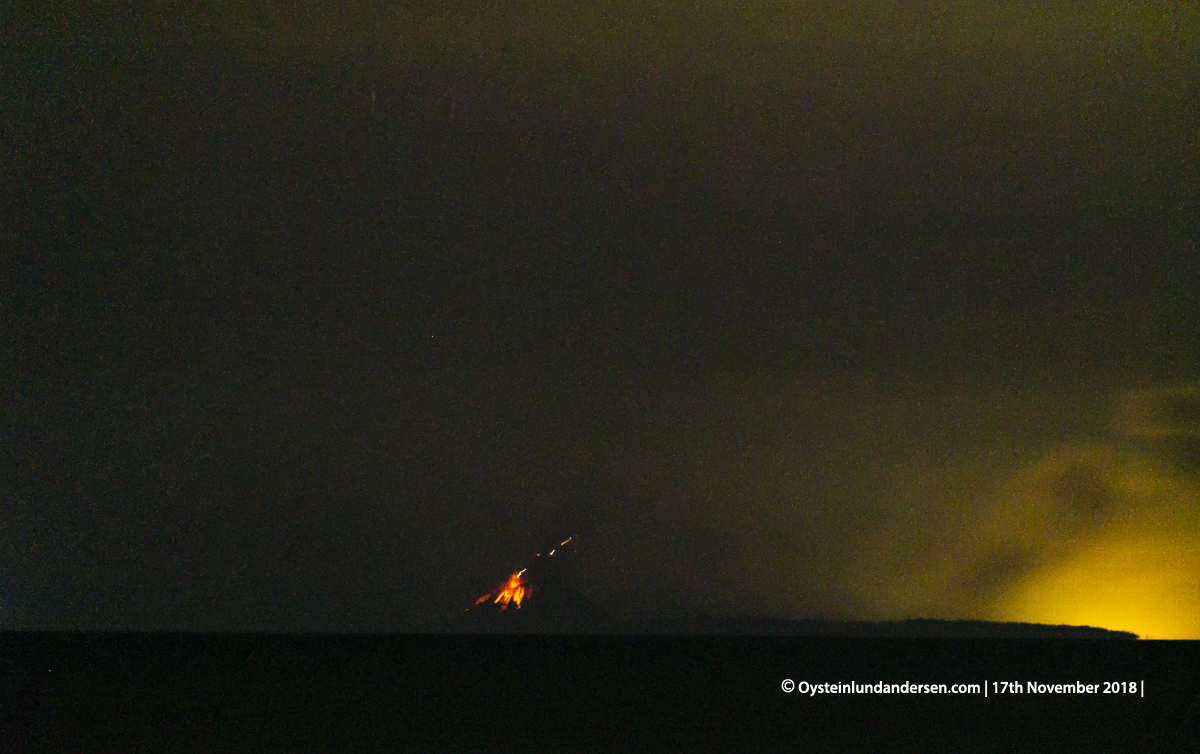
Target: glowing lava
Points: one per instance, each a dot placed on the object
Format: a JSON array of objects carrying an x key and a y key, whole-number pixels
[{"x": 513, "y": 591}]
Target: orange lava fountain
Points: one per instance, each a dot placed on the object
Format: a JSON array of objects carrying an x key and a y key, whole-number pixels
[{"x": 513, "y": 591}]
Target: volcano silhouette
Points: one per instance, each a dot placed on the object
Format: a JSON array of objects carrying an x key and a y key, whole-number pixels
[{"x": 548, "y": 605}]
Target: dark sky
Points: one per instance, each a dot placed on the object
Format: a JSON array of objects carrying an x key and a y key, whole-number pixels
[{"x": 328, "y": 317}]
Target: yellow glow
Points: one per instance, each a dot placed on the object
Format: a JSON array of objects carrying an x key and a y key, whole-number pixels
[{"x": 1143, "y": 585}]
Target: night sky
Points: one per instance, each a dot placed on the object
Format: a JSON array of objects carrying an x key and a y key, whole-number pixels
[{"x": 328, "y": 317}]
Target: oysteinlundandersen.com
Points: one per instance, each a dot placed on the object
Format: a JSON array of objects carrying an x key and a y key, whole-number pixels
[{"x": 812, "y": 689}]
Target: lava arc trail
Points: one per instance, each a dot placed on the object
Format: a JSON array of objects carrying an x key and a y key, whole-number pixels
[{"x": 516, "y": 588}]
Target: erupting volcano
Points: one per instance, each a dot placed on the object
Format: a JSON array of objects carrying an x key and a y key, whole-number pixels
[
  {"x": 543, "y": 601},
  {"x": 514, "y": 590}
]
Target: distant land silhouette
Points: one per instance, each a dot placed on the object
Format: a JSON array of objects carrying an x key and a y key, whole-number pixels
[{"x": 555, "y": 608}]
